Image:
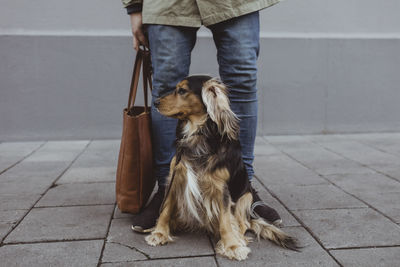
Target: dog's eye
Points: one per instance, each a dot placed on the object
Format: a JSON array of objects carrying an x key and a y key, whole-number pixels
[{"x": 182, "y": 91}]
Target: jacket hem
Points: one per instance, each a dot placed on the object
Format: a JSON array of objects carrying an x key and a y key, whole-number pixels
[
  {"x": 238, "y": 11},
  {"x": 173, "y": 21}
]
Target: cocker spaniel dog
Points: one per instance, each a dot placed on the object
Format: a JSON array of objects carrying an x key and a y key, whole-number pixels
[{"x": 208, "y": 183}]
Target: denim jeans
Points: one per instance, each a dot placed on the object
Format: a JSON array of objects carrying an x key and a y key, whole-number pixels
[{"x": 237, "y": 43}]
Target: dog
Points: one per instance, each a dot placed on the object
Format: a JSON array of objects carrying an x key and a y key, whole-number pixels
[{"x": 209, "y": 187}]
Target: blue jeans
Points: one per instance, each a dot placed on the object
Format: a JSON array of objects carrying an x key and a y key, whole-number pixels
[{"x": 237, "y": 43}]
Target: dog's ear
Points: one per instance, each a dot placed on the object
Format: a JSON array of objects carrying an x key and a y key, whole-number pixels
[{"x": 215, "y": 98}]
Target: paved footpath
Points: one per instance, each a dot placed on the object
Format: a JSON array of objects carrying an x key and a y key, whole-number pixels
[{"x": 338, "y": 194}]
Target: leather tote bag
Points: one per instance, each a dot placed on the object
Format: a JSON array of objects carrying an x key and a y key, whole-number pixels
[{"x": 135, "y": 179}]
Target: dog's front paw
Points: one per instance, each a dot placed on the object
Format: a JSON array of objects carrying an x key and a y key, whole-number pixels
[
  {"x": 235, "y": 252},
  {"x": 155, "y": 239}
]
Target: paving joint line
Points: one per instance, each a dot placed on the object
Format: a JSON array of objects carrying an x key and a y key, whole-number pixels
[
  {"x": 377, "y": 148},
  {"x": 81, "y": 205},
  {"x": 213, "y": 247},
  {"x": 105, "y": 237},
  {"x": 168, "y": 258},
  {"x": 51, "y": 241},
  {"x": 42, "y": 195},
  {"x": 299, "y": 220},
  {"x": 366, "y": 247},
  {"x": 359, "y": 199},
  {"x": 99, "y": 182},
  {"x": 130, "y": 247},
  {"x": 26, "y": 156},
  {"x": 349, "y": 208},
  {"x": 337, "y": 186},
  {"x": 358, "y": 162}
]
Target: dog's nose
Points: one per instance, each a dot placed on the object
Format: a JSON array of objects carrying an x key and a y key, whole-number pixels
[{"x": 157, "y": 102}]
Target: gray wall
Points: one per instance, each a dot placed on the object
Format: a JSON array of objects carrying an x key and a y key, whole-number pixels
[{"x": 325, "y": 67}]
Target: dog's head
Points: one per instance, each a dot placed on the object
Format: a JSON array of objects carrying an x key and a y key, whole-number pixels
[{"x": 196, "y": 96}]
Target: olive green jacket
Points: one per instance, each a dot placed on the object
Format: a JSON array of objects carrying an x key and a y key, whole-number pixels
[{"x": 194, "y": 13}]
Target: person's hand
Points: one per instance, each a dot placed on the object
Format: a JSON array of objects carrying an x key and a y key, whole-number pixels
[{"x": 137, "y": 31}]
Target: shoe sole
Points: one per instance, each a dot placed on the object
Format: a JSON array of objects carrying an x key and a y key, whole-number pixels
[
  {"x": 139, "y": 229},
  {"x": 278, "y": 223}
]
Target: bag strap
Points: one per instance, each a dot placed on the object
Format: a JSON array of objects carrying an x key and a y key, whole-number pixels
[
  {"x": 146, "y": 77},
  {"x": 142, "y": 59}
]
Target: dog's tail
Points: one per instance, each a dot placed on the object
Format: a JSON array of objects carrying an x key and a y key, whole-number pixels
[{"x": 268, "y": 231}]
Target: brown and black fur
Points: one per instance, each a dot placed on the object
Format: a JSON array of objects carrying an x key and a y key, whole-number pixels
[{"x": 208, "y": 183}]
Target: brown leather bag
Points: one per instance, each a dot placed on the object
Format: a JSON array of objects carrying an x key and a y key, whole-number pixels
[{"x": 135, "y": 179}]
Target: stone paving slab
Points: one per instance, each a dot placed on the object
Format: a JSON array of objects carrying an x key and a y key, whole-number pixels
[
  {"x": 263, "y": 148},
  {"x": 388, "y": 142},
  {"x": 389, "y": 146},
  {"x": 280, "y": 169},
  {"x": 186, "y": 244},
  {"x": 99, "y": 153},
  {"x": 111, "y": 145},
  {"x": 264, "y": 253},
  {"x": 63, "y": 223},
  {"x": 377, "y": 190},
  {"x": 391, "y": 171},
  {"x": 4, "y": 229},
  {"x": 368, "y": 257},
  {"x": 116, "y": 252},
  {"x": 79, "y": 194},
  {"x": 22, "y": 185},
  {"x": 77, "y": 253},
  {"x": 30, "y": 187},
  {"x": 19, "y": 149},
  {"x": 361, "y": 153},
  {"x": 12, "y": 152},
  {"x": 11, "y": 216},
  {"x": 18, "y": 181},
  {"x": 387, "y": 203},
  {"x": 359, "y": 183},
  {"x": 58, "y": 151},
  {"x": 287, "y": 218},
  {"x": 393, "y": 136},
  {"x": 342, "y": 228},
  {"x": 36, "y": 172},
  {"x": 89, "y": 175},
  {"x": 180, "y": 262},
  {"x": 295, "y": 139},
  {"x": 324, "y": 137},
  {"x": 375, "y": 159},
  {"x": 8, "y": 219},
  {"x": 18, "y": 201},
  {"x": 297, "y": 197},
  {"x": 319, "y": 159}
]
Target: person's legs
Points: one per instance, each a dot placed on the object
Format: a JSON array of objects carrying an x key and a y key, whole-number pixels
[
  {"x": 170, "y": 49},
  {"x": 237, "y": 42}
]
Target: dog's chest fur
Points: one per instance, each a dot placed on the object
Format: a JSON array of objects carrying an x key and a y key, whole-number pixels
[{"x": 199, "y": 206}]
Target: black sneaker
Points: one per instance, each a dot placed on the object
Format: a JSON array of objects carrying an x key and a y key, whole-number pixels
[
  {"x": 145, "y": 221},
  {"x": 261, "y": 210}
]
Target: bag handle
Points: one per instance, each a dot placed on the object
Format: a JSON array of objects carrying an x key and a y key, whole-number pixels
[{"x": 142, "y": 59}]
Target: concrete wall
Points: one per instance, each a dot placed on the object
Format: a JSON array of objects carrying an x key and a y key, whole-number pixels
[{"x": 325, "y": 66}]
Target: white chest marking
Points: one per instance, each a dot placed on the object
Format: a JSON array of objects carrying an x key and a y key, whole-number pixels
[{"x": 192, "y": 192}]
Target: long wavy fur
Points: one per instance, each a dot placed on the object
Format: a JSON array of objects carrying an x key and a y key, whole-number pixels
[
  {"x": 211, "y": 189},
  {"x": 215, "y": 98}
]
